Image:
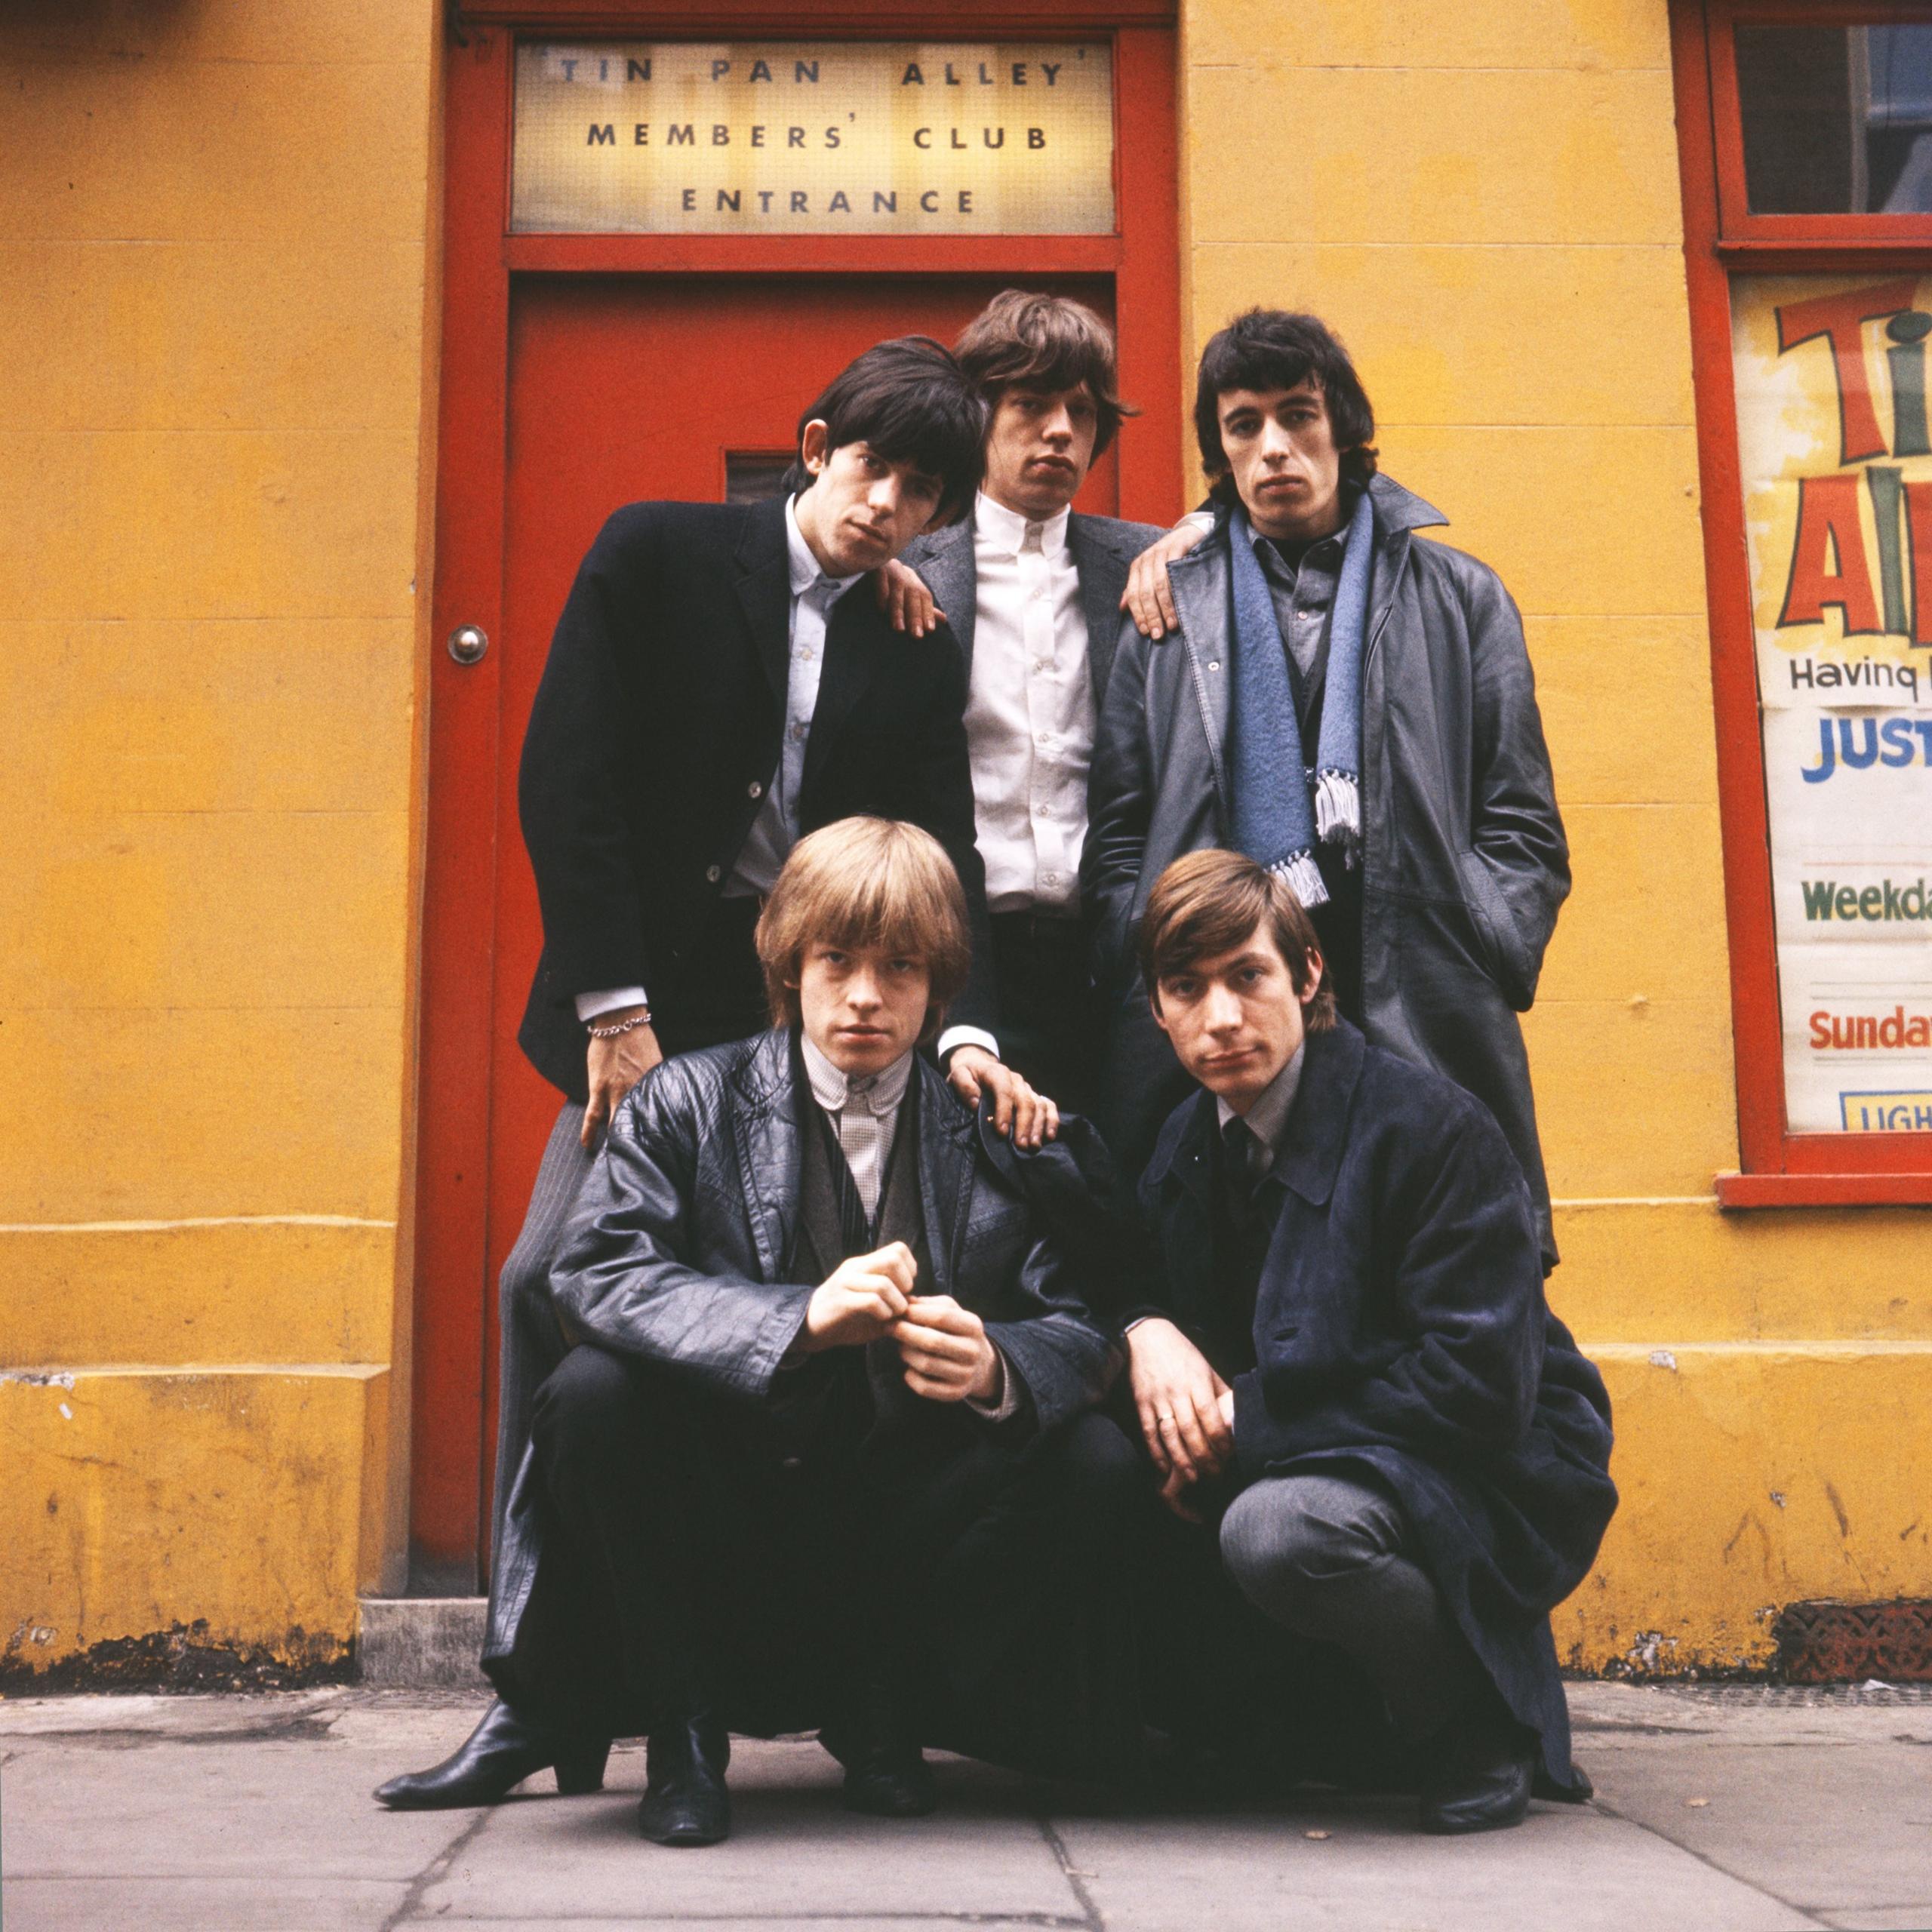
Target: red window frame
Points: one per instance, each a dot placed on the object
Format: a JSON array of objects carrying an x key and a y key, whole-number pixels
[{"x": 1722, "y": 237}]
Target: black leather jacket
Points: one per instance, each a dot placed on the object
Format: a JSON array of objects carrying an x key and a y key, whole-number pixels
[{"x": 679, "y": 1243}]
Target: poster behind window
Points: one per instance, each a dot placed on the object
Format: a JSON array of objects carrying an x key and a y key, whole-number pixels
[{"x": 1836, "y": 465}]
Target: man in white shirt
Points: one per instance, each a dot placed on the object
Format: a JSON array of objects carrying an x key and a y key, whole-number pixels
[{"x": 1032, "y": 591}]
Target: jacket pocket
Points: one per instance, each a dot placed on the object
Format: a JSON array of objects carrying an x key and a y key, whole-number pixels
[{"x": 1505, "y": 956}]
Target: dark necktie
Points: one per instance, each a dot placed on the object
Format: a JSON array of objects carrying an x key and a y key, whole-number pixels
[
  {"x": 1240, "y": 1146},
  {"x": 858, "y": 1231}
]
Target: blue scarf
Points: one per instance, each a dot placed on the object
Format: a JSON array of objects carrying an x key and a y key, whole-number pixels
[{"x": 1284, "y": 801}]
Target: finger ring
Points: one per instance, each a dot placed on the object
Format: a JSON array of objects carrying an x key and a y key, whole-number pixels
[{"x": 1163, "y": 1415}]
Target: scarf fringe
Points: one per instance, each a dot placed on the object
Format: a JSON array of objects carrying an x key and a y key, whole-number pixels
[
  {"x": 1338, "y": 813},
  {"x": 1303, "y": 878}
]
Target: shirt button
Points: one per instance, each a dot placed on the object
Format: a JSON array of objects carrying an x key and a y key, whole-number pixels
[
  {"x": 713, "y": 873},
  {"x": 798, "y": 733},
  {"x": 1050, "y": 878},
  {"x": 1040, "y": 664},
  {"x": 755, "y": 790},
  {"x": 1213, "y": 663}
]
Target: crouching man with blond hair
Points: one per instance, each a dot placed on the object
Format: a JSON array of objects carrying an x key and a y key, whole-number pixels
[{"x": 824, "y": 1456}]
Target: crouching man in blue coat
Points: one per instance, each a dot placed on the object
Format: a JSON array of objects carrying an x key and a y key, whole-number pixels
[{"x": 1354, "y": 1379}]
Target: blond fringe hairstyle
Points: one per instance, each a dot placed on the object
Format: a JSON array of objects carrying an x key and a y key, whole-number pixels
[{"x": 865, "y": 882}]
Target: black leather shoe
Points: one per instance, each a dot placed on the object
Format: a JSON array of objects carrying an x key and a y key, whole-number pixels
[
  {"x": 1479, "y": 1771},
  {"x": 896, "y": 1785},
  {"x": 885, "y": 1775},
  {"x": 684, "y": 1800},
  {"x": 494, "y": 1759}
]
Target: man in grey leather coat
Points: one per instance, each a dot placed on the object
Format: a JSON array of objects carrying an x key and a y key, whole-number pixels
[{"x": 1440, "y": 901}]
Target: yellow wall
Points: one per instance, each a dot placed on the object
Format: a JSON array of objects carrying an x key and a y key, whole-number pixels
[
  {"x": 216, "y": 435},
  {"x": 1483, "y": 199}
]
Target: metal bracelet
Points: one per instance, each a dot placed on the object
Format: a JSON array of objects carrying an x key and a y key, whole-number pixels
[{"x": 623, "y": 1026}]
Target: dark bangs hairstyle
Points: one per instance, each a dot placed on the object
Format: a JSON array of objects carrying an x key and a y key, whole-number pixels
[
  {"x": 910, "y": 400},
  {"x": 1273, "y": 349},
  {"x": 1044, "y": 342},
  {"x": 1208, "y": 902}
]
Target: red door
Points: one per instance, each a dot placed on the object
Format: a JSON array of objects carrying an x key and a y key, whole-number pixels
[{"x": 580, "y": 373}]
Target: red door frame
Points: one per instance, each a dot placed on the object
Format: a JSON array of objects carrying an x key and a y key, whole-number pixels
[
  {"x": 1720, "y": 237},
  {"x": 449, "y": 1539}
]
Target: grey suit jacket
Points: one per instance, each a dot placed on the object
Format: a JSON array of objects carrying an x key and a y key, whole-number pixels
[{"x": 1102, "y": 548}]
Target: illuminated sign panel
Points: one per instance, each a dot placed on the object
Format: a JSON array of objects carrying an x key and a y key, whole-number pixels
[{"x": 814, "y": 137}]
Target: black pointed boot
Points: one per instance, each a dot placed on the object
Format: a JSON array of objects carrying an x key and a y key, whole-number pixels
[
  {"x": 886, "y": 1777},
  {"x": 494, "y": 1759},
  {"x": 685, "y": 1802}
]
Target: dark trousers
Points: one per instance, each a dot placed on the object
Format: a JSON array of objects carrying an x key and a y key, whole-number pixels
[
  {"x": 698, "y": 1548},
  {"x": 1049, "y": 1014}
]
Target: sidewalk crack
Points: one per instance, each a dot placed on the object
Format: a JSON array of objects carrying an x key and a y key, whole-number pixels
[
  {"x": 1075, "y": 1879},
  {"x": 436, "y": 1868},
  {"x": 1710, "y": 1864}
]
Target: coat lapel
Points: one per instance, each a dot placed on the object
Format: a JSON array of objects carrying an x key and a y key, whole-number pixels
[
  {"x": 946, "y": 1173},
  {"x": 768, "y": 1145},
  {"x": 1318, "y": 1123},
  {"x": 764, "y": 590},
  {"x": 1398, "y": 512},
  {"x": 1103, "y": 567},
  {"x": 945, "y": 560},
  {"x": 1200, "y": 585}
]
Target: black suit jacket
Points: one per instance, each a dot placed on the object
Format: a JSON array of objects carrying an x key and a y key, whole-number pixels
[{"x": 661, "y": 708}]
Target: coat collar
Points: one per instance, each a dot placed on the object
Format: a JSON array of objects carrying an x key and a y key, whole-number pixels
[
  {"x": 765, "y": 590},
  {"x": 944, "y": 558},
  {"x": 1310, "y": 1151},
  {"x": 771, "y": 1103}
]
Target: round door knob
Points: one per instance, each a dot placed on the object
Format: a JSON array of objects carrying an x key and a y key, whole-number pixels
[{"x": 468, "y": 642}]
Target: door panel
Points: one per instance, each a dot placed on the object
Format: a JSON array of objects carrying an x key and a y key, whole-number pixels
[{"x": 623, "y": 388}]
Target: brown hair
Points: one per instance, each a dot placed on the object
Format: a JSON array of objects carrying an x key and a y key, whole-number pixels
[
  {"x": 1206, "y": 904},
  {"x": 865, "y": 882},
  {"x": 1047, "y": 342}
]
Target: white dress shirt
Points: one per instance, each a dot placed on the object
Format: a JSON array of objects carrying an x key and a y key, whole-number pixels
[
  {"x": 863, "y": 1110},
  {"x": 775, "y": 830},
  {"x": 1030, "y": 712},
  {"x": 1029, "y": 721}
]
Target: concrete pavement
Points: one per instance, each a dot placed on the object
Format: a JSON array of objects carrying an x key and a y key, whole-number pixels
[{"x": 1742, "y": 1810}]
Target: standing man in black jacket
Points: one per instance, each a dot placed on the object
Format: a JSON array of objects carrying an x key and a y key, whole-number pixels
[{"x": 712, "y": 693}]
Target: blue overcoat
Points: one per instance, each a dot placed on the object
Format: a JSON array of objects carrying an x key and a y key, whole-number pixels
[{"x": 1400, "y": 1326}]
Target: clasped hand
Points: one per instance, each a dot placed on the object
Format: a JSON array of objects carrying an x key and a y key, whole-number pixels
[
  {"x": 943, "y": 1347},
  {"x": 1186, "y": 1411}
]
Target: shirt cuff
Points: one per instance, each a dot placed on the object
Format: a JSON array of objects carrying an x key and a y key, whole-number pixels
[
  {"x": 954, "y": 1038},
  {"x": 1004, "y": 1401},
  {"x": 589, "y": 1006},
  {"x": 1201, "y": 520}
]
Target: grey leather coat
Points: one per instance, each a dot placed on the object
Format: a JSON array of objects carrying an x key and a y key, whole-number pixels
[{"x": 1465, "y": 864}]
